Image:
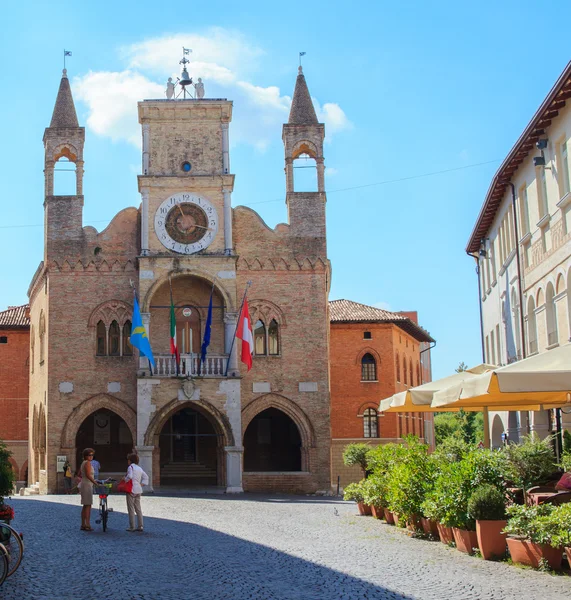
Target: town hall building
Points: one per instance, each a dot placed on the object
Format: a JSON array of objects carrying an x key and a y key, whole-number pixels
[{"x": 191, "y": 424}]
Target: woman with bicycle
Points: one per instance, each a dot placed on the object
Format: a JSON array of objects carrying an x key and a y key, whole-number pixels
[{"x": 86, "y": 489}]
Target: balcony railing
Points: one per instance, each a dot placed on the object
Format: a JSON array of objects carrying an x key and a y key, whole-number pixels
[{"x": 189, "y": 366}]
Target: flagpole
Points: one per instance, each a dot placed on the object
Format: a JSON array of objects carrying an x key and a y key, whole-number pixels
[
  {"x": 200, "y": 357},
  {"x": 248, "y": 284}
]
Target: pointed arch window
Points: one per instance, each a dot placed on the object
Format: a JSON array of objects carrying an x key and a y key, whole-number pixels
[
  {"x": 114, "y": 339},
  {"x": 101, "y": 339},
  {"x": 370, "y": 423},
  {"x": 127, "y": 348},
  {"x": 404, "y": 380},
  {"x": 398, "y": 367},
  {"x": 259, "y": 338},
  {"x": 368, "y": 368},
  {"x": 42, "y": 334},
  {"x": 418, "y": 381},
  {"x": 410, "y": 373},
  {"x": 273, "y": 338}
]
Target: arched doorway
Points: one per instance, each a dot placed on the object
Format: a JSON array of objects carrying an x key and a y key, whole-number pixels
[
  {"x": 497, "y": 430},
  {"x": 189, "y": 450},
  {"x": 272, "y": 443},
  {"x": 109, "y": 435}
]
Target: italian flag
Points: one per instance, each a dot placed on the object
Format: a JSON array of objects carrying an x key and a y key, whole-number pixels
[
  {"x": 244, "y": 333},
  {"x": 174, "y": 349}
]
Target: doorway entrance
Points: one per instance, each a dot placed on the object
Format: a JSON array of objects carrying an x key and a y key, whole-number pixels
[{"x": 188, "y": 450}]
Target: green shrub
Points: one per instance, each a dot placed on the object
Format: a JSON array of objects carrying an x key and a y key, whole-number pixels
[
  {"x": 566, "y": 461},
  {"x": 532, "y": 522},
  {"x": 560, "y": 518},
  {"x": 373, "y": 491},
  {"x": 530, "y": 462},
  {"x": 354, "y": 491},
  {"x": 487, "y": 503},
  {"x": 356, "y": 454},
  {"x": 452, "y": 449},
  {"x": 567, "y": 441},
  {"x": 7, "y": 475}
]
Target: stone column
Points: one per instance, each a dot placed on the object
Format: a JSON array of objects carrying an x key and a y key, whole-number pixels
[
  {"x": 234, "y": 469},
  {"x": 225, "y": 148},
  {"x": 230, "y": 320},
  {"x": 289, "y": 174},
  {"x": 146, "y": 463},
  {"x": 233, "y": 408},
  {"x": 49, "y": 178},
  {"x": 228, "y": 244},
  {"x": 540, "y": 423},
  {"x": 146, "y": 128},
  {"x": 320, "y": 175},
  {"x": 79, "y": 178},
  {"x": 145, "y": 223},
  {"x": 513, "y": 427}
]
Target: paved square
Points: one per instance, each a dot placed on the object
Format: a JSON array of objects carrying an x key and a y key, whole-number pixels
[{"x": 255, "y": 547}]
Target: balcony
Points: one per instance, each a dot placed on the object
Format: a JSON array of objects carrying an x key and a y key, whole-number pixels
[{"x": 189, "y": 366}]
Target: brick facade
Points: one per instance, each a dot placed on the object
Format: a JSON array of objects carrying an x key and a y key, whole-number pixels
[
  {"x": 14, "y": 384},
  {"x": 392, "y": 345},
  {"x": 83, "y": 288}
]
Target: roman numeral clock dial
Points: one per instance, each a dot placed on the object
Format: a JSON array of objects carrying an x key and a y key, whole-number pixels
[{"x": 186, "y": 223}]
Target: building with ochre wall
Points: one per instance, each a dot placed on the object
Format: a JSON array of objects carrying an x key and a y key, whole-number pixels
[
  {"x": 14, "y": 381},
  {"x": 374, "y": 353},
  {"x": 522, "y": 244},
  {"x": 211, "y": 423}
]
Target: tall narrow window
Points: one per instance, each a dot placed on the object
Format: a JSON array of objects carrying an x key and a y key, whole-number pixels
[
  {"x": 32, "y": 344},
  {"x": 531, "y": 327},
  {"x": 42, "y": 333},
  {"x": 541, "y": 191},
  {"x": 418, "y": 380},
  {"x": 127, "y": 348},
  {"x": 260, "y": 338},
  {"x": 523, "y": 210},
  {"x": 404, "y": 370},
  {"x": 101, "y": 339},
  {"x": 114, "y": 339},
  {"x": 398, "y": 367},
  {"x": 368, "y": 368},
  {"x": 551, "y": 315},
  {"x": 564, "y": 169},
  {"x": 273, "y": 338},
  {"x": 370, "y": 423},
  {"x": 410, "y": 372}
]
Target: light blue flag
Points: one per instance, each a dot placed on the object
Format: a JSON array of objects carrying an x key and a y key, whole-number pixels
[{"x": 139, "y": 337}]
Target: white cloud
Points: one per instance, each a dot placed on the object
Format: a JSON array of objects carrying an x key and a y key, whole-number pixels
[
  {"x": 225, "y": 60},
  {"x": 383, "y": 305},
  {"x": 331, "y": 171}
]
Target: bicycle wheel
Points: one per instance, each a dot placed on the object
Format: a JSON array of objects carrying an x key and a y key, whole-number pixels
[
  {"x": 14, "y": 545},
  {"x": 4, "y": 563},
  {"x": 104, "y": 514}
]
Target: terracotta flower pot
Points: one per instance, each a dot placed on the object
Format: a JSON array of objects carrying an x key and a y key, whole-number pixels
[
  {"x": 491, "y": 540},
  {"x": 413, "y": 524},
  {"x": 445, "y": 533},
  {"x": 528, "y": 553},
  {"x": 429, "y": 527},
  {"x": 396, "y": 518},
  {"x": 389, "y": 518},
  {"x": 377, "y": 512},
  {"x": 568, "y": 553},
  {"x": 465, "y": 540},
  {"x": 364, "y": 509}
]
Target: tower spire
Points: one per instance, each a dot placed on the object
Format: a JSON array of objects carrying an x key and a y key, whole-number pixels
[
  {"x": 302, "y": 111},
  {"x": 64, "y": 114}
]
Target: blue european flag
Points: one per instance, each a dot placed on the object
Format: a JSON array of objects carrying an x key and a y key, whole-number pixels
[
  {"x": 207, "y": 329},
  {"x": 139, "y": 337}
]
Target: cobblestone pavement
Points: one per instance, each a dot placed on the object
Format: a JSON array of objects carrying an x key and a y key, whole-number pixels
[{"x": 239, "y": 547}]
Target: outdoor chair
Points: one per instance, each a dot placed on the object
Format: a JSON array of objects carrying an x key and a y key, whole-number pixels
[{"x": 558, "y": 499}]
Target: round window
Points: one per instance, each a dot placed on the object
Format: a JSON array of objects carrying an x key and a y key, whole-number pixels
[{"x": 186, "y": 166}]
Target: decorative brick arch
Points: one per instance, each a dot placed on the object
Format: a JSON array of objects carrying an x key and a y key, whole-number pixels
[
  {"x": 14, "y": 466},
  {"x": 218, "y": 420},
  {"x": 195, "y": 272},
  {"x": 370, "y": 351},
  {"x": 23, "y": 470},
  {"x": 305, "y": 147},
  {"x": 91, "y": 405},
  {"x": 266, "y": 311},
  {"x": 288, "y": 407},
  {"x": 366, "y": 405},
  {"x": 68, "y": 150},
  {"x": 111, "y": 310}
]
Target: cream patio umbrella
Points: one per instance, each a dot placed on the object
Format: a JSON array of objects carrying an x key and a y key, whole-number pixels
[{"x": 419, "y": 399}]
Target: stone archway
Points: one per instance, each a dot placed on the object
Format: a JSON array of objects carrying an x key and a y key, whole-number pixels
[
  {"x": 497, "y": 430},
  {"x": 217, "y": 421},
  {"x": 291, "y": 410}
]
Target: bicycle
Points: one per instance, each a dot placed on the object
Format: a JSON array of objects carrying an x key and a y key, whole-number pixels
[
  {"x": 103, "y": 490},
  {"x": 4, "y": 563},
  {"x": 14, "y": 545}
]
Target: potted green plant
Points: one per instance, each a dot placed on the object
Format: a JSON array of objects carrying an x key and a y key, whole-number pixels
[
  {"x": 561, "y": 535},
  {"x": 532, "y": 534},
  {"x": 372, "y": 496},
  {"x": 356, "y": 454},
  {"x": 487, "y": 506},
  {"x": 381, "y": 460},
  {"x": 354, "y": 491}
]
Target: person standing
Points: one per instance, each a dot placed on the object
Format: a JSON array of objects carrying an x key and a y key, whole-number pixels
[
  {"x": 86, "y": 489},
  {"x": 96, "y": 467},
  {"x": 139, "y": 479},
  {"x": 67, "y": 476}
]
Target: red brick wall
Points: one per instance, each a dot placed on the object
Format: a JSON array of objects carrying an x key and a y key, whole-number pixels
[{"x": 14, "y": 384}]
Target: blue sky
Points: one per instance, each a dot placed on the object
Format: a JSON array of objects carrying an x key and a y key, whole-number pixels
[{"x": 405, "y": 89}]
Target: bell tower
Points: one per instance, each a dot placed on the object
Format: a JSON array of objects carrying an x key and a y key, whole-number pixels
[
  {"x": 304, "y": 135},
  {"x": 64, "y": 138}
]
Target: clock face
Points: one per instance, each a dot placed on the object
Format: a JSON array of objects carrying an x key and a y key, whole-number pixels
[{"x": 186, "y": 223}]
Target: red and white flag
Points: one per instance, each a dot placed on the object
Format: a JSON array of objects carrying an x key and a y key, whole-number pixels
[{"x": 244, "y": 333}]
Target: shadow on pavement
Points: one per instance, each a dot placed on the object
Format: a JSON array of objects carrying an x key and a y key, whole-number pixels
[{"x": 170, "y": 560}]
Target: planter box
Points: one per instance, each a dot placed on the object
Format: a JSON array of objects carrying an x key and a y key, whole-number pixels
[
  {"x": 389, "y": 518},
  {"x": 491, "y": 540},
  {"x": 528, "y": 553},
  {"x": 364, "y": 509},
  {"x": 465, "y": 540},
  {"x": 378, "y": 513},
  {"x": 429, "y": 527},
  {"x": 445, "y": 533}
]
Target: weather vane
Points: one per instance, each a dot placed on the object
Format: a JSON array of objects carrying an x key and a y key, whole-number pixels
[
  {"x": 184, "y": 80},
  {"x": 300, "y": 55},
  {"x": 65, "y": 53}
]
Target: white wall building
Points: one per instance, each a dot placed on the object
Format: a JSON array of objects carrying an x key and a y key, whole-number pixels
[{"x": 522, "y": 242}]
